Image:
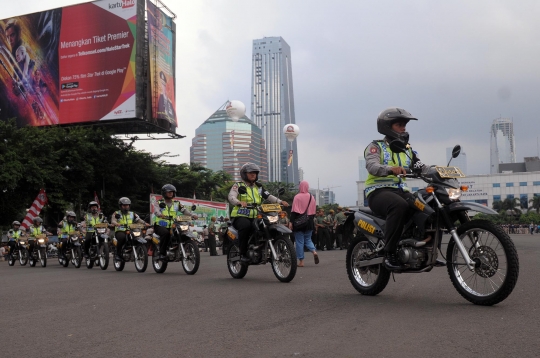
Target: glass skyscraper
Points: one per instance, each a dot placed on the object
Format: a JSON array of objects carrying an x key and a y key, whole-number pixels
[
  {"x": 503, "y": 146},
  {"x": 221, "y": 144},
  {"x": 272, "y": 105}
]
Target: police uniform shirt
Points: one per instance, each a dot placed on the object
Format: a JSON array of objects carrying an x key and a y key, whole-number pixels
[
  {"x": 233, "y": 194},
  {"x": 372, "y": 154}
]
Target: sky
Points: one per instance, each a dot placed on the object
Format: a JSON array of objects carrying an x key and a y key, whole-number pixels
[{"x": 455, "y": 65}]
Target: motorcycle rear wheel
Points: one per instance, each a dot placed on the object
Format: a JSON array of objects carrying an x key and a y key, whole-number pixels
[
  {"x": 104, "y": 256},
  {"x": 236, "y": 269},
  {"x": 43, "y": 257},
  {"x": 77, "y": 257},
  {"x": 23, "y": 257},
  {"x": 285, "y": 265},
  {"x": 368, "y": 280},
  {"x": 497, "y": 264},
  {"x": 159, "y": 265},
  {"x": 191, "y": 262},
  {"x": 142, "y": 262}
]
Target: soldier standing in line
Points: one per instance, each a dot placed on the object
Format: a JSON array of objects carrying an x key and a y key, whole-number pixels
[{"x": 340, "y": 220}]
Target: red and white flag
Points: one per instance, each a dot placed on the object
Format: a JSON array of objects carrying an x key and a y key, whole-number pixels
[
  {"x": 96, "y": 199},
  {"x": 35, "y": 209}
]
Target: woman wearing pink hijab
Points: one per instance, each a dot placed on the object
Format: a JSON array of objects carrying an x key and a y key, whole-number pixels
[{"x": 304, "y": 202}]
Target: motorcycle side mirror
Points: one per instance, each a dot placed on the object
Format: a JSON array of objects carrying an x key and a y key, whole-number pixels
[
  {"x": 117, "y": 216},
  {"x": 456, "y": 151},
  {"x": 398, "y": 146},
  {"x": 162, "y": 205},
  {"x": 281, "y": 191},
  {"x": 193, "y": 207},
  {"x": 242, "y": 190}
]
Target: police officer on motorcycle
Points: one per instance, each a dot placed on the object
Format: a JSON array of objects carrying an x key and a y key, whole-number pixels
[
  {"x": 388, "y": 195},
  {"x": 93, "y": 217},
  {"x": 13, "y": 236},
  {"x": 241, "y": 215},
  {"x": 36, "y": 229},
  {"x": 121, "y": 220},
  {"x": 65, "y": 227},
  {"x": 164, "y": 217}
]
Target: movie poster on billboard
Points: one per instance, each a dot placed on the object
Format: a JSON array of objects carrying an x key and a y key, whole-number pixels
[
  {"x": 160, "y": 38},
  {"x": 29, "y": 68},
  {"x": 70, "y": 65}
]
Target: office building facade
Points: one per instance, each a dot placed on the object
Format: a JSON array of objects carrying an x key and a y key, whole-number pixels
[
  {"x": 272, "y": 105},
  {"x": 222, "y": 144},
  {"x": 503, "y": 146}
]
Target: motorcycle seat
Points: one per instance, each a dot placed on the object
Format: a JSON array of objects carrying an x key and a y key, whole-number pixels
[{"x": 368, "y": 211}]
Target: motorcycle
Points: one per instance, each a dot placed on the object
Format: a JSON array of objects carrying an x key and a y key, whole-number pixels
[
  {"x": 268, "y": 243},
  {"x": 73, "y": 250},
  {"x": 182, "y": 247},
  {"x": 20, "y": 253},
  {"x": 134, "y": 249},
  {"x": 98, "y": 252},
  {"x": 40, "y": 250},
  {"x": 481, "y": 258}
]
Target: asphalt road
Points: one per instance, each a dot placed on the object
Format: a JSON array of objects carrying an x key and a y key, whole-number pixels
[{"x": 69, "y": 312}]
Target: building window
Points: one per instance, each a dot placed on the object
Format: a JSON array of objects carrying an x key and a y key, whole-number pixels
[
  {"x": 496, "y": 185},
  {"x": 510, "y": 196},
  {"x": 522, "y": 183},
  {"x": 508, "y": 185},
  {"x": 536, "y": 183},
  {"x": 496, "y": 198},
  {"x": 524, "y": 201}
]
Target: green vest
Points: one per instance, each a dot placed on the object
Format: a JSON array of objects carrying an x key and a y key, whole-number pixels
[
  {"x": 172, "y": 212},
  {"x": 252, "y": 196},
  {"x": 91, "y": 220},
  {"x": 391, "y": 181},
  {"x": 15, "y": 235},
  {"x": 66, "y": 229},
  {"x": 34, "y": 231},
  {"x": 124, "y": 220}
]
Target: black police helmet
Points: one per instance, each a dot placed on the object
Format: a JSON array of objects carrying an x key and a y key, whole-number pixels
[
  {"x": 166, "y": 188},
  {"x": 249, "y": 168},
  {"x": 390, "y": 116}
]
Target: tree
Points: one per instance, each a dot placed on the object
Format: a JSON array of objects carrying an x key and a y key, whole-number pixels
[{"x": 535, "y": 203}]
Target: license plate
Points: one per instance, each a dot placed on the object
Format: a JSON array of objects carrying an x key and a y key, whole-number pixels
[
  {"x": 270, "y": 207},
  {"x": 243, "y": 211}
]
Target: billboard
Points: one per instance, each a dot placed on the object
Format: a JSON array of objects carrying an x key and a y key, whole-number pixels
[
  {"x": 205, "y": 209},
  {"x": 80, "y": 64},
  {"x": 161, "y": 60}
]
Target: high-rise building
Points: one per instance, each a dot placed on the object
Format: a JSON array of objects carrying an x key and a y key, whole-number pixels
[
  {"x": 300, "y": 174},
  {"x": 362, "y": 171},
  {"x": 503, "y": 146},
  {"x": 222, "y": 144},
  {"x": 272, "y": 105},
  {"x": 460, "y": 161}
]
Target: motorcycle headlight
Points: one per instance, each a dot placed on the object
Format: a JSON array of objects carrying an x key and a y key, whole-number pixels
[
  {"x": 184, "y": 227},
  {"x": 22, "y": 242},
  {"x": 453, "y": 194},
  {"x": 41, "y": 241},
  {"x": 101, "y": 231},
  {"x": 273, "y": 219},
  {"x": 136, "y": 233}
]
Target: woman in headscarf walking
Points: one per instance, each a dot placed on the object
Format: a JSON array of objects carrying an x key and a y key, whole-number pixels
[{"x": 303, "y": 204}]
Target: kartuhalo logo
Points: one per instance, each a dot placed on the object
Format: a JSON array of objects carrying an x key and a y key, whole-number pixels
[{"x": 124, "y": 4}]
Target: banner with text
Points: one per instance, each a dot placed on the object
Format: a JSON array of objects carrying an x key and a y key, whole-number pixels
[
  {"x": 205, "y": 209},
  {"x": 69, "y": 65}
]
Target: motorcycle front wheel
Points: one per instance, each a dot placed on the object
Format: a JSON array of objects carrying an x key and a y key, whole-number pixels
[
  {"x": 23, "y": 257},
  {"x": 104, "y": 256},
  {"x": 141, "y": 262},
  {"x": 236, "y": 269},
  {"x": 284, "y": 265},
  {"x": 77, "y": 257},
  {"x": 159, "y": 265},
  {"x": 43, "y": 257},
  {"x": 190, "y": 263},
  {"x": 11, "y": 260},
  {"x": 118, "y": 265},
  {"x": 31, "y": 260},
  {"x": 368, "y": 280},
  {"x": 496, "y": 263}
]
